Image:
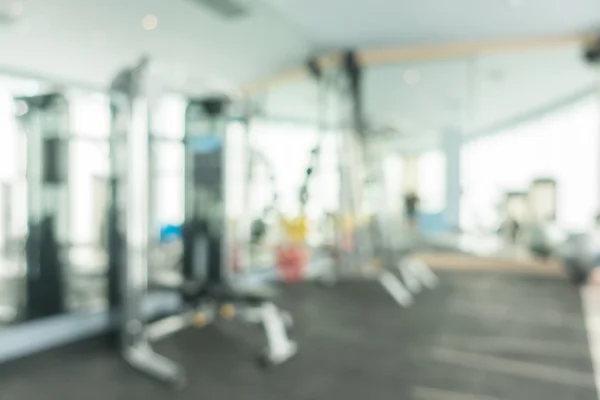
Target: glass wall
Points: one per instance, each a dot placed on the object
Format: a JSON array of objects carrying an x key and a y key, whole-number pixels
[
  {"x": 167, "y": 122},
  {"x": 393, "y": 171},
  {"x": 88, "y": 171},
  {"x": 563, "y": 145},
  {"x": 12, "y": 185},
  {"x": 432, "y": 182}
]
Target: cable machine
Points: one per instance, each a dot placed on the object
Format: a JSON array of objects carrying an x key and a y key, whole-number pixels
[
  {"x": 127, "y": 223},
  {"x": 46, "y": 124},
  {"x": 210, "y": 239},
  {"x": 360, "y": 249}
]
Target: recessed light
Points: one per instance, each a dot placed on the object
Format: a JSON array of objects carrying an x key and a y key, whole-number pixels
[
  {"x": 16, "y": 9},
  {"x": 21, "y": 108},
  {"x": 149, "y": 22},
  {"x": 412, "y": 76}
]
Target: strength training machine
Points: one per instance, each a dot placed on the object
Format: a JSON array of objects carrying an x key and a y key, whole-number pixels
[{"x": 208, "y": 239}]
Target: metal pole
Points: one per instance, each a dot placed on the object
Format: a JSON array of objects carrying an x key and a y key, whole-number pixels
[
  {"x": 130, "y": 176},
  {"x": 136, "y": 273}
]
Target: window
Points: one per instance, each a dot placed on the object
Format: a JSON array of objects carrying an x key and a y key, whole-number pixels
[
  {"x": 432, "y": 182},
  {"x": 563, "y": 146},
  {"x": 89, "y": 115}
]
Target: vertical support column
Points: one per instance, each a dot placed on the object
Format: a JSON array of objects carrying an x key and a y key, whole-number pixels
[
  {"x": 115, "y": 229},
  {"x": 452, "y": 143},
  {"x": 128, "y": 269},
  {"x": 136, "y": 272}
]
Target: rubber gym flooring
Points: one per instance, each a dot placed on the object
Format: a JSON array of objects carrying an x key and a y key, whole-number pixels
[{"x": 479, "y": 336}]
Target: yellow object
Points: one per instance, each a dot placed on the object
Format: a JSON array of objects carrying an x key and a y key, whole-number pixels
[
  {"x": 296, "y": 229},
  {"x": 199, "y": 320},
  {"x": 227, "y": 311},
  {"x": 377, "y": 264},
  {"x": 348, "y": 223}
]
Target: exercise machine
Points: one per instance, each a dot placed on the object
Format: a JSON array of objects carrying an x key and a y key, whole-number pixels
[
  {"x": 127, "y": 224},
  {"x": 209, "y": 240},
  {"x": 362, "y": 249},
  {"x": 45, "y": 124}
]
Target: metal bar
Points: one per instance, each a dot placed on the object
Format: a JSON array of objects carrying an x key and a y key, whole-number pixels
[
  {"x": 396, "y": 289},
  {"x": 168, "y": 326},
  {"x": 132, "y": 172},
  {"x": 136, "y": 271}
]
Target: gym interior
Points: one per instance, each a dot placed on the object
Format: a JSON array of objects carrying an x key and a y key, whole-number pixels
[{"x": 299, "y": 199}]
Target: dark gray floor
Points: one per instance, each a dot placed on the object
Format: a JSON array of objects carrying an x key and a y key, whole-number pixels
[{"x": 479, "y": 336}]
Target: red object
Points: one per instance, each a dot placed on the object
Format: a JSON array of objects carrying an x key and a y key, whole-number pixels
[
  {"x": 594, "y": 278},
  {"x": 235, "y": 255},
  {"x": 291, "y": 262}
]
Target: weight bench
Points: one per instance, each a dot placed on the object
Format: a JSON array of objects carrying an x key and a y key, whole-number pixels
[{"x": 206, "y": 293}]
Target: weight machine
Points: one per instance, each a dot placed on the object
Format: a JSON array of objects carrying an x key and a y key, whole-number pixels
[
  {"x": 127, "y": 225},
  {"x": 401, "y": 276},
  {"x": 46, "y": 123},
  {"x": 208, "y": 238}
]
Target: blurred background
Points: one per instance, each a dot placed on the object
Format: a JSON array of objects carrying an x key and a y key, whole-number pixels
[{"x": 464, "y": 137}]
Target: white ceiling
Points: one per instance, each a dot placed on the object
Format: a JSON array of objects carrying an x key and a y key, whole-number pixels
[
  {"x": 88, "y": 41},
  {"x": 341, "y": 23}
]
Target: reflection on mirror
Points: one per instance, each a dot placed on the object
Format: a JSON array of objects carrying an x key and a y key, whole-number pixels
[
  {"x": 12, "y": 215},
  {"x": 53, "y": 185}
]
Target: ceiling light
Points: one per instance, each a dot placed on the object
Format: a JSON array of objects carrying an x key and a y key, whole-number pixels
[
  {"x": 149, "y": 22},
  {"x": 21, "y": 108},
  {"x": 412, "y": 76},
  {"x": 16, "y": 9}
]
